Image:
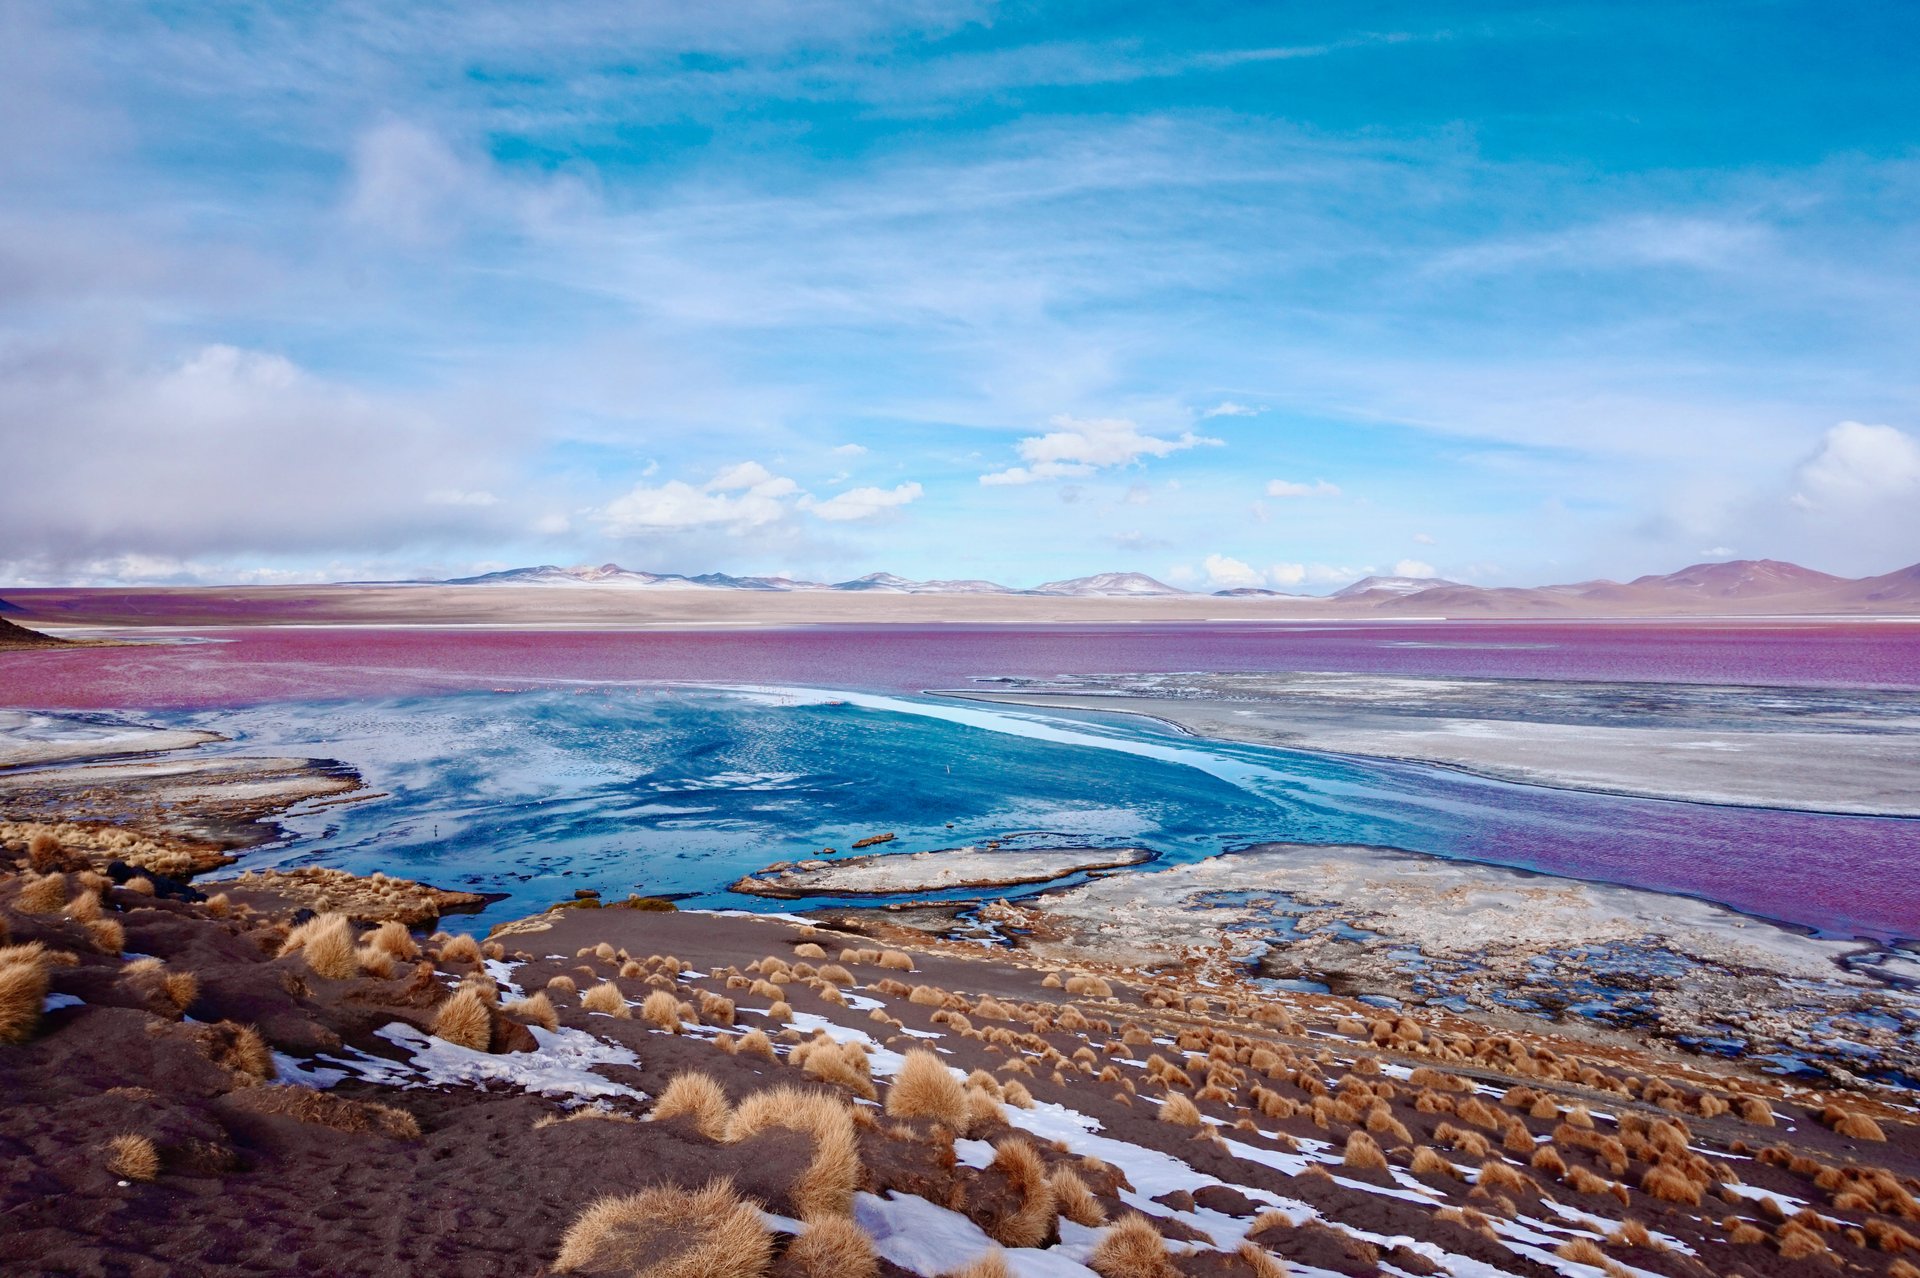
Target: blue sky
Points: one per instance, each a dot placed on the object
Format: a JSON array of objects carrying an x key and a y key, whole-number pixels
[{"x": 1230, "y": 294}]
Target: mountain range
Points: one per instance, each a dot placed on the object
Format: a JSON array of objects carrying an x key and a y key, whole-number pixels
[
  {"x": 1741, "y": 585},
  {"x": 886, "y": 583}
]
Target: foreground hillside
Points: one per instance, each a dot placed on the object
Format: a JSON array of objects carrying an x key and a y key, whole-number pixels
[{"x": 220, "y": 1080}]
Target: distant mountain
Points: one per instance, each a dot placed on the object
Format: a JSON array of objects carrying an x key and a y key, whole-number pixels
[
  {"x": 1391, "y": 586},
  {"x": 887, "y": 583},
  {"x": 1110, "y": 583},
  {"x": 1753, "y": 587},
  {"x": 1738, "y": 579}
]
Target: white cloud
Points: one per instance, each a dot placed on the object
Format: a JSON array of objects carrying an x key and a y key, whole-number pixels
[
  {"x": 1287, "y": 488},
  {"x": 1227, "y": 408},
  {"x": 1423, "y": 539},
  {"x": 1224, "y": 573},
  {"x": 1858, "y": 464},
  {"x": 1414, "y": 568},
  {"x": 850, "y": 450},
  {"x": 739, "y": 497},
  {"x": 1287, "y": 574},
  {"x": 864, "y": 503},
  {"x": 1080, "y": 446},
  {"x": 1717, "y": 552}
]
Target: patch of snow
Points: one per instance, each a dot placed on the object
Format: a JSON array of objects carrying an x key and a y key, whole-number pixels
[
  {"x": 290, "y": 1069},
  {"x": 930, "y": 1240},
  {"x": 972, "y": 1153},
  {"x": 563, "y": 1065},
  {"x": 54, "y": 1002}
]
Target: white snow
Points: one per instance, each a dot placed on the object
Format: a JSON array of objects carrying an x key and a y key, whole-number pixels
[
  {"x": 563, "y": 1065},
  {"x": 54, "y": 1002}
]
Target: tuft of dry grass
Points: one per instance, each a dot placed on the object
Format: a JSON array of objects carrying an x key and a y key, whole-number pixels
[
  {"x": 465, "y": 1019},
  {"x": 44, "y": 894},
  {"x": 24, "y": 977},
  {"x": 1853, "y": 1126},
  {"x": 393, "y": 938},
  {"x": 926, "y": 1088},
  {"x": 1178, "y": 1110},
  {"x": 1670, "y": 1185},
  {"x": 1075, "y": 1200},
  {"x": 1260, "y": 1261},
  {"x": 563, "y": 983},
  {"x": 754, "y": 1043},
  {"x": 896, "y": 960},
  {"x": 326, "y": 942},
  {"x": 107, "y": 935},
  {"x": 661, "y": 1009},
  {"x": 988, "y": 1264},
  {"x": 1428, "y": 1163},
  {"x": 710, "y": 1231},
  {"x": 844, "y": 1065},
  {"x": 1582, "y": 1251},
  {"x": 132, "y": 1157},
  {"x": 324, "y": 1109},
  {"x": 833, "y": 1247},
  {"x": 238, "y": 1048},
  {"x": 461, "y": 949},
  {"x": 606, "y": 997},
  {"x": 1362, "y": 1154},
  {"x": 828, "y": 1183},
  {"x": 699, "y": 1097},
  {"x": 781, "y": 1011},
  {"x": 807, "y": 949},
  {"x": 1089, "y": 987},
  {"x": 1031, "y": 1223},
  {"x": 1132, "y": 1249},
  {"x": 536, "y": 1009}
]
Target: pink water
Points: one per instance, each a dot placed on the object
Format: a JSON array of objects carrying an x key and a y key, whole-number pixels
[
  {"x": 1857, "y": 875},
  {"x": 257, "y": 665}
]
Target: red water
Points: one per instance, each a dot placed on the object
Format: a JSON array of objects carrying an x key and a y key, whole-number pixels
[{"x": 258, "y": 665}]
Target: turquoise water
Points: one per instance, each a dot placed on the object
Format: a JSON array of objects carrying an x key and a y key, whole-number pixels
[{"x": 678, "y": 791}]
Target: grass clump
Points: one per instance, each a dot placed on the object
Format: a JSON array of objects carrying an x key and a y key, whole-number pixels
[
  {"x": 699, "y": 1097},
  {"x": 926, "y": 1088},
  {"x": 24, "y": 976},
  {"x": 833, "y": 1247},
  {"x": 326, "y": 942},
  {"x": 465, "y": 1019},
  {"x": 670, "y": 1232},
  {"x": 132, "y": 1157}
]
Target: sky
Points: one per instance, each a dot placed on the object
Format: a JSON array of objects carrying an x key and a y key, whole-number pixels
[{"x": 1234, "y": 295}]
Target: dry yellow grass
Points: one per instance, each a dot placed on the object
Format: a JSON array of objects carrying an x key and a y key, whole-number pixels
[
  {"x": 42, "y": 894},
  {"x": 707, "y": 1233},
  {"x": 807, "y": 949},
  {"x": 827, "y": 1186},
  {"x": 326, "y": 942},
  {"x": 1089, "y": 987},
  {"x": 1260, "y": 1261},
  {"x": 1075, "y": 1201},
  {"x": 699, "y": 1097},
  {"x": 132, "y": 1157},
  {"x": 605, "y": 997},
  {"x": 1582, "y": 1251},
  {"x": 1132, "y": 1249},
  {"x": 1670, "y": 1185},
  {"x": 393, "y": 938},
  {"x": 833, "y": 1247},
  {"x": 842, "y": 1065},
  {"x": 536, "y": 1009},
  {"x": 781, "y": 1011},
  {"x": 1178, "y": 1110},
  {"x": 563, "y": 983},
  {"x": 1362, "y": 1154},
  {"x": 896, "y": 961},
  {"x": 238, "y": 1048},
  {"x": 83, "y": 908},
  {"x": 661, "y": 1009},
  {"x": 465, "y": 1019},
  {"x": 1031, "y": 1223},
  {"x": 24, "y": 977},
  {"x": 926, "y": 1088},
  {"x": 1853, "y": 1126},
  {"x": 754, "y": 1043},
  {"x": 461, "y": 948},
  {"x": 339, "y": 1113},
  {"x": 988, "y": 1264},
  {"x": 107, "y": 935}
]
